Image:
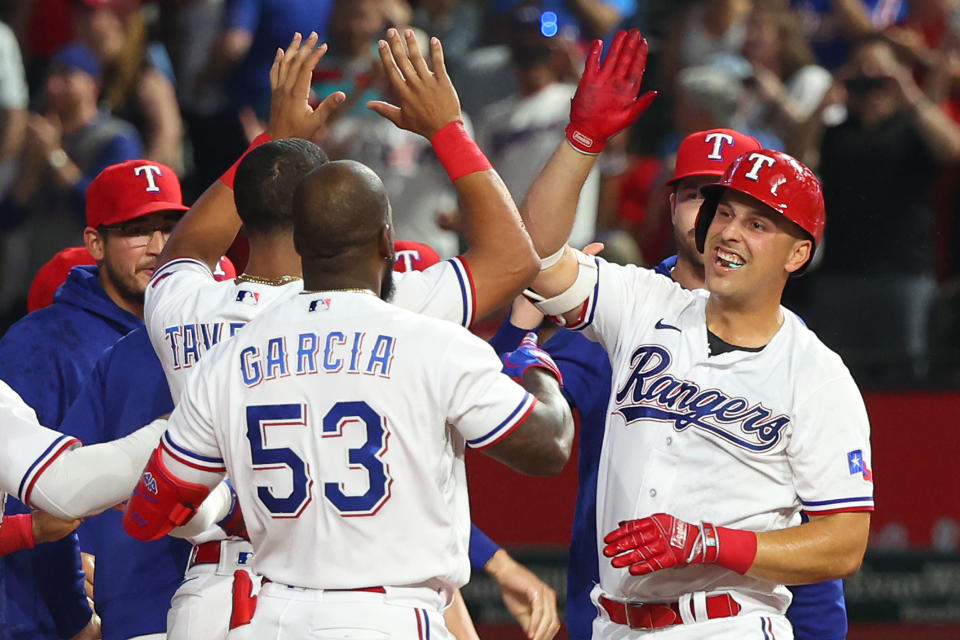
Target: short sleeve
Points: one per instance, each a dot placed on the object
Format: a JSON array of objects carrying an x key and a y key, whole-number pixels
[
  {"x": 829, "y": 450},
  {"x": 190, "y": 438},
  {"x": 35, "y": 446},
  {"x": 482, "y": 403},
  {"x": 622, "y": 296},
  {"x": 444, "y": 291}
]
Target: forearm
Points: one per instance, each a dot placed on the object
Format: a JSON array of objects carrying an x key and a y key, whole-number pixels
[
  {"x": 551, "y": 425},
  {"x": 549, "y": 208},
  {"x": 207, "y": 230},
  {"x": 458, "y": 620},
  {"x": 826, "y": 548},
  {"x": 89, "y": 479}
]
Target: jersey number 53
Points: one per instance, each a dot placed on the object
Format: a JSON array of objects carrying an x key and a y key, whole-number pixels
[{"x": 368, "y": 456}]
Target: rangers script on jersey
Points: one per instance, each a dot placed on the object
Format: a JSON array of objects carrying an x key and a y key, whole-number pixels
[
  {"x": 342, "y": 421},
  {"x": 741, "y": 439}
]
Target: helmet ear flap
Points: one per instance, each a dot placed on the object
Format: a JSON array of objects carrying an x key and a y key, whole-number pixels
[{"x": 711, "y": 198}]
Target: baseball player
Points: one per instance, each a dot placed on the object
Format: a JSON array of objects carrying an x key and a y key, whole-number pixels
[
  {"x": 188, "y": 313},
  {"x": 730, "y": 416},
  {"x": 360, "y": 520},
  {"x": 817, "y": 611}
]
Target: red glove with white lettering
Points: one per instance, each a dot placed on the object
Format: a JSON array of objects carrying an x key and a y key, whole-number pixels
[
  {"x": 606, "y": 101},
  {"x": 662, "y": 541}
]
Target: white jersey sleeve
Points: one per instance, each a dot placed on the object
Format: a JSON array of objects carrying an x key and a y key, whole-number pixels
[
  {"x": 189, "y": 444},
  {"x": 829, "y": 450},
  {"x": 484, "y": 405},
  {"x": 170, "y": 285},
  {"x": 444, "y": 290},
  {"x": 625, "y": 296},
  {"x": 28, "y": 448}
]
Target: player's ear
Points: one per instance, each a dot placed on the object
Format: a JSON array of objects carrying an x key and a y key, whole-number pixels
[
  {"x": 799, "y": 255},
  {"x": 94, "y": 241},
  {"x": 386, "y": 243}
]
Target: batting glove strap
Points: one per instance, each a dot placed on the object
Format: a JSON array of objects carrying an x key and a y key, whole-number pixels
[{"x": 528, "y": 355}]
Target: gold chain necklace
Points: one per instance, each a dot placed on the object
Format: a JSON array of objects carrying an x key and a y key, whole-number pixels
[
  {"x": 274, "y": 282},
  {"x": 346, "y": 290}
]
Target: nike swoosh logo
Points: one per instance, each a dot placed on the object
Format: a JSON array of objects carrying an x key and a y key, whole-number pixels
[{"x": 660, "y": 325}]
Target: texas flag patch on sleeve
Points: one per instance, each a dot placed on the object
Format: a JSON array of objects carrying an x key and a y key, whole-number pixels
[{"x": 858, "y": 465}]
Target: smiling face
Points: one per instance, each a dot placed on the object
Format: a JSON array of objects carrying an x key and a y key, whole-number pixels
[{"x": 751, "y": 250}]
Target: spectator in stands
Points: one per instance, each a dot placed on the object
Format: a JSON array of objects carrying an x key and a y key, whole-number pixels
[
  {"x": 415, "y": 182},
  {"x": 701, "y": 30},
  {"x": 583, "y": 20},
  {"x": 831, "y": 25},
  {"x": 65, "y": 148},
  {"x": 785, "y": 85},
  {"x": 456, "y": 22},
  {"x": 520, "y": 133},
  {"x": 137, "y": 76},
  {"x": 878, "y": 169}
]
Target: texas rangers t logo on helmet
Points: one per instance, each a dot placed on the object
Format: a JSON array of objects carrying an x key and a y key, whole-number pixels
[
  {"x": 150, "y": 171},
  {"x": 759, "y": 160},
  {"x": 718, "y": 139}
]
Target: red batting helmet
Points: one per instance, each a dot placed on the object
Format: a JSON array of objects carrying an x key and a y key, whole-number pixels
[
  {"x": 776, "y": 179},
  {"x": 709, "y": 153}
]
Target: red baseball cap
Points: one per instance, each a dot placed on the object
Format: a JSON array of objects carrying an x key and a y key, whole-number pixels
[
  {"x": 709, "y": 153},
  {"x": 53, "y": 274},
  {"x": 132, "y": 189},
  {"x": 413, "y": 256}
]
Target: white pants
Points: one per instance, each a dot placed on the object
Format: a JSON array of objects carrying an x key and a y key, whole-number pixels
[
  {"x": 202, "y": 605},
  {"x": 293, "y": 613},
  {"x": 749, "y": 625}
]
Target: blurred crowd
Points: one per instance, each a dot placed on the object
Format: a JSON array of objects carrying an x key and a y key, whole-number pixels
[{"x": 867, "y": 92}]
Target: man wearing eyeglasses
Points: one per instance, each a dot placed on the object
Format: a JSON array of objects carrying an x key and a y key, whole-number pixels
[{"x": 45, "y": 357}]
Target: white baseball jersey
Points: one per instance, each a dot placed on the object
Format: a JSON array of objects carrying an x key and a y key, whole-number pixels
[
  {"x": 28, "y": 448},
  {"x": 741, "y": 439},
  {"x": 187, "y": 312},
  {"x": 330, "y": 414}
]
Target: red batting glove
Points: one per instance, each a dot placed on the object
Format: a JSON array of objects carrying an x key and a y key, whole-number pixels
[
  {"x": 606, "y": 101},
  {"x": 244, "y": 602},
  {"x": 662, "y": 541}
]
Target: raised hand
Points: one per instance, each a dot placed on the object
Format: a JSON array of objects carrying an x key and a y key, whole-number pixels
[
  {"x": 427, "y": 99},
  {"x": 291, "y": 115},
  {"x": 606, "y": 100}
]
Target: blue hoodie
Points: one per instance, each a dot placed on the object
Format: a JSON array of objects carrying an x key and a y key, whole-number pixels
[
  {"x": 45, "y": 358},
  {"x": 135, "y": 580}
]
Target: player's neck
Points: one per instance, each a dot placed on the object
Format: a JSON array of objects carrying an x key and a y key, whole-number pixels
[
  {"x": 751, "y": 323},
  {"x": 688, "y": 274},
  {"x": 331, "y": 275},
  {"x": 273, "y": 257}
]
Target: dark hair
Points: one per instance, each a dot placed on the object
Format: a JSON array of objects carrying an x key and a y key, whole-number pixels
[{"x": 266, "y": 179}]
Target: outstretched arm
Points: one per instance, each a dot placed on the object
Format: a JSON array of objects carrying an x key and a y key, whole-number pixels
[
  {"x": 208, "y": 229},
  {"x": 826, "y": 548},
  {"x": 500, "y": 257},
  {"x": 605, "y": 103}
]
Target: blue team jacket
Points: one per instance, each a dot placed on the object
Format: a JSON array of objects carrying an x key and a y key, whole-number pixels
[{"x": 45, "y": 358}]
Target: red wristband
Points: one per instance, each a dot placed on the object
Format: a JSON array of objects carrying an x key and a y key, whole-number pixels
[
  {"x": 16, "y": 532},
  {"x": 231, "y": 173},
  {"x": 737, "y": 549},
  {"x": 458, "y": 153}
]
